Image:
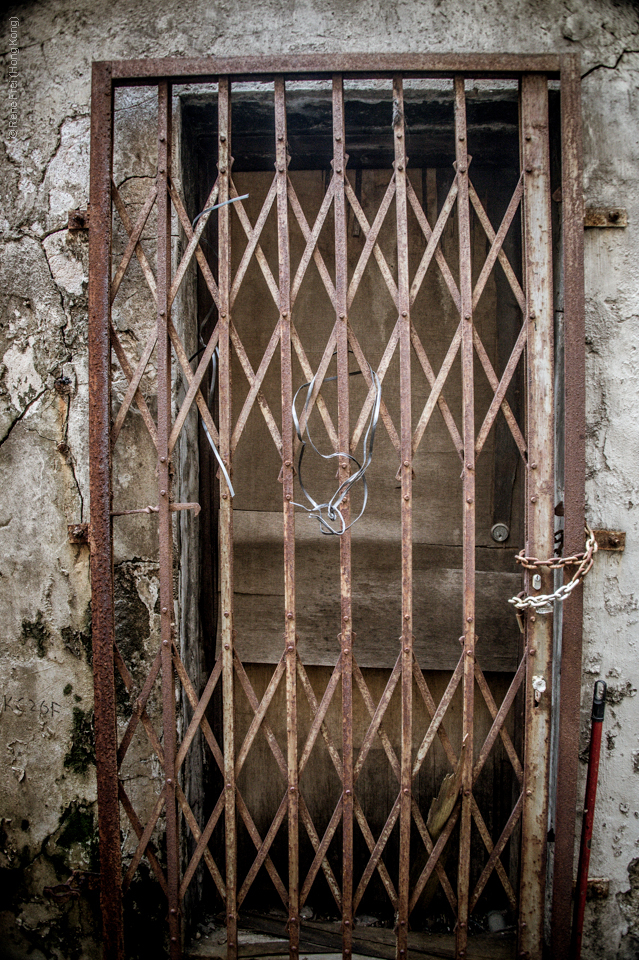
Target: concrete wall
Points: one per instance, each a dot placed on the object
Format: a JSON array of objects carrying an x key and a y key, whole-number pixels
[{"x": 47, "y": 797}]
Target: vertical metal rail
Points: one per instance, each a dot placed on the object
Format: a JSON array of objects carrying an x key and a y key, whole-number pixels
[
  {"x": 535, "y": 158},
  {"x": 343, "y": 429},
  {"x": 290, "y": 641},
  {"x": 106, "y": 746},
  {"x": 164, "y": 502},
  {"x": 574, "y": 496},
  {"x": 403, "y": 287},
  {"x": 226, "y": 512},
  {"x": 468, "y": 407}
]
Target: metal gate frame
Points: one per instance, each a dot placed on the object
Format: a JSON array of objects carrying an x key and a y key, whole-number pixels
[{"x": 533, "y": 71}]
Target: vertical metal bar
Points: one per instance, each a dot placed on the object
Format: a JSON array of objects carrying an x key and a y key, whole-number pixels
[
  {"x": 100, "y": 528},
  {"x": 281, "y": 164},
  {"x": 343, "y": 429},
  {"x": 403, "y": 288},
  {"x": 164, "y": 515},
  {"x": 535, "y": 157},
  {"x": 468, "y": 408},
  {"x": 574, "y": 494},
  {"x": 226, "y": 513}
]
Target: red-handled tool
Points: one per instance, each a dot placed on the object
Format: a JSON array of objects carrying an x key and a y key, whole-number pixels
[{"x": 598, "y": 709}]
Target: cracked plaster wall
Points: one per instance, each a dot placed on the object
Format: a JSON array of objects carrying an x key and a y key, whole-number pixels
[{"x": 44, "y": 584}]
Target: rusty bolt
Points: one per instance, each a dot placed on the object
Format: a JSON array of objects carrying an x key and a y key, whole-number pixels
[
  {"x": 533, "y": 466},
  {"x": 406, "y": 463},
  {"x": 469, "y": 619},
  {"x": 162, "y": 459},
  {"x": 529, "y": 793},
  {"x": 400, "y": 166},
  {"x": 529, "y": 169},
  {"x": 290, "y": 647},
  {"x": 406, "y": 791},
  {"x": 342, "y": 316},
  {"x": 469, "y": 499},
  {"x": 338, "y": 137},
  {"x": 289, "y": 616},
  {"x": 288, "y": 496},
  {"x": 345, "y": 619},
  {"x": 291, "y": 789},
  {"x": 399, "y": 134},
  {"x": 466, "y": 793},
  {"x": 462, "y": 169},
  {"x": 406, "y": 496},
  {"x": 224, "y": 496},
  {"x": 347, "y": 923},
  {"x": 532, "y": 651},
  {"x": 280, "y": 137},
  {"x": 231, "y": 944},
  {"x": 406, "y": 649},
  {"x": 348, "y": 793},
  {"x": 407, "y": 616},
  {"x": 173, "y": 911},
  {"x": 532, "y": 315},
  {"x": 528, "y": 136},
  {"x": 226, "y": 646},
  {"x": 287, "y": 463},
  {"x": 533, "y": 499},
  {"x": 284, "y": 313},
  {"x": 467, "y": 316},
  {"x": 165, "y": 643},
  {"x": 462, "y": 924},
  {"x": 402, "y": 923},
  {"x": 173, "y": 939},
  {"x": 223, "y": 315},
  {"x": 404, "y": 313},
  {"x": 338, "y": 169},
  {"x": 523, "y": 924},
  {"x": 162, "y": 493},
  {"x": 165, "y": 609},
  {"x": 469, "y": 466},
  {"x": 347, "y": 651},
  {"x": 169, "y": 781},
  {"x": 223, "y": 137},
  {"x": 532, "y": 619},
  {"x": 226, "y": 613}
]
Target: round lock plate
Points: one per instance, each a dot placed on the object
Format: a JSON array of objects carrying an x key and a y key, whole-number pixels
[{"x": 500, "y": 532}]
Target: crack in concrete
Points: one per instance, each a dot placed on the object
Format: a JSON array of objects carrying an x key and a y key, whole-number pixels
[
  {"x": 605, "y": 66},
  {"x": 22, "y": 414}
]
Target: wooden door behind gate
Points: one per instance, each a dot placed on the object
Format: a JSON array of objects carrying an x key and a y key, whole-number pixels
[{"x": 335, "y": 675}]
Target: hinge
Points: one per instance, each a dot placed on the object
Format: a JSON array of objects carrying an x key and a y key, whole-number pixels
[
  {"x": 606, "y": 217},
  {"x": 78, "y": 220},
  {"x": 610, "y": 540},
  {"x": 78, "y": 533}
]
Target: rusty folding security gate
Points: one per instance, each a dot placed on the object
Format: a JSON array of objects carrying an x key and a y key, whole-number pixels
[{"x": 464, "y": 357}]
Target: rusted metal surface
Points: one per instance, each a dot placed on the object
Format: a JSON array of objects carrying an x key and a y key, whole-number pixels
[
  {"x": 100, "y": 530},
  {"x": 468, "y": 473},
  {"x": 406, "y": 512},
  {"x": 290, "y": 639},
  {"x": 535, "y": 159},
  {"x": 574, "y": 497},
  {"x": 226, "y": 513},
  {"x": 163, "y": 283},
  {"x": 344, "y": 437},
  {"x": 612, "y": 540},
  {"x": 78, "y": 533},
  {"x": 534, "y": 443},
  {"x": 78, "y": 220},
  {"x": 605, "y": 217},
  {"x": 309, "y": 66}
]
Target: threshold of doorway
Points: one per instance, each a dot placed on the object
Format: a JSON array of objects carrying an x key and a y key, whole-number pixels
[{"x": 265, "y": 937}]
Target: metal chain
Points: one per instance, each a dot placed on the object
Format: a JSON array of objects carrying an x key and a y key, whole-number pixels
[{"x": 583, "y": 562}]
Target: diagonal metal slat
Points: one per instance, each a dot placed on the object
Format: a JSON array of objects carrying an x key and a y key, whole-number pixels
[
  {"x": 500, "y": 392},
  {"x": 194, "y": 381},
  {"x": 425, "y": 227},
  {"x": 494, "y": 852},
  {"x": 384, "y": 363},
  {"x": 134, "y": 239},
  {"x": 437, "y": 385},
  {"x": 254, "y": 382},
  {"x": 253, "y": 239},
  {"x": 206, "y": 853},
  {"x": 144, "y": 839},
  {"x": 494, "y": 712},
  {"x": 371, "y": 232},
  {"x": 497, "y": 243},
  {"x": 193, "y": 245},
  {"x": 149, "y": 276},
  {"x": 311, "y": 237},
  {"x": 199, "y": 707},
  {"x": 198, "y": 252},
  {"x": 433, "y": 239},
  {"x": 139, "y": 706},
  {"x": 238, "y": 207},
  {"x": 136, "y": 823},
  {"x": 133, "y": 389},
  {"x": 494, "y": 862},
  {"x": 503, "y": 259},
  {"x": 202, "y": 840},
  {"x": 494, "y": 382}
]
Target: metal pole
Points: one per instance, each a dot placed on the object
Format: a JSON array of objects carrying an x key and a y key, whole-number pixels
[{"x": 596, "y": 729}]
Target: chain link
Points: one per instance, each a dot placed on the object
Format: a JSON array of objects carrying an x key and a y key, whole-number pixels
[{"x": 583, "y": 562}]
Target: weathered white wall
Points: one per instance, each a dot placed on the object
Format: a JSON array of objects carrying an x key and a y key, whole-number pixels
[{"x": 47, "y": 797}]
